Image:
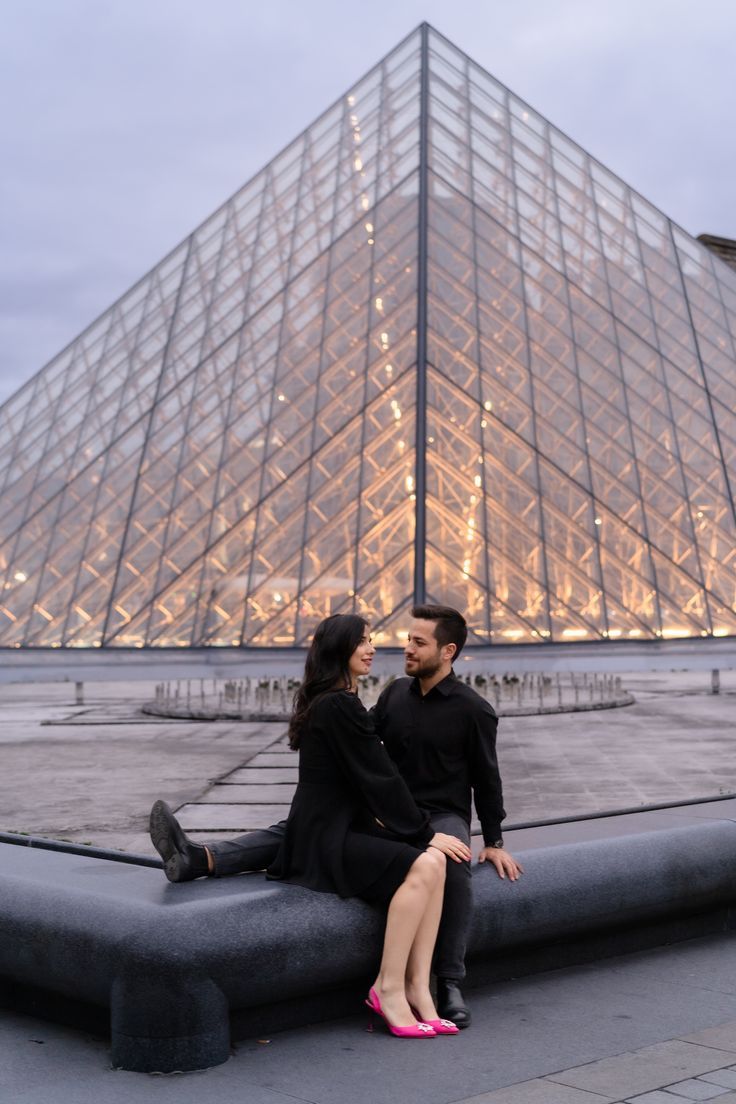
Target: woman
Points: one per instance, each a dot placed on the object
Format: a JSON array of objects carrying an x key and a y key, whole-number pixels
[{"x": 355, "y": 830}]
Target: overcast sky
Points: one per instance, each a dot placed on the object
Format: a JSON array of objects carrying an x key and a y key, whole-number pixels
[{"x": 126, "y": 122}]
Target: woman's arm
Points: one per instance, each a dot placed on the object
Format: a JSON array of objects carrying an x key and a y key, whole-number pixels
[{"x": 350, "y": 735}]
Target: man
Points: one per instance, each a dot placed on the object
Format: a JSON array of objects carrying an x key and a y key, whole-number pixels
[{"x": 442, "y": 736}]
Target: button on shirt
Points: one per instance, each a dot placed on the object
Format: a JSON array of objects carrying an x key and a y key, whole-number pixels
[{"x": 444, "y": 744}]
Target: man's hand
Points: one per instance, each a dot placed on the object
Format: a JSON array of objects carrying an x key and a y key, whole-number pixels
[
  {"x": 451, "y": 846},
  {"x": 503, "y": 862}
]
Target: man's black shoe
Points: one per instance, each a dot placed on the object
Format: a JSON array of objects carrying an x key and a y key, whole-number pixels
[
  {"x": 183, "y": 860},
  {"x": 451, "y": 1003}
]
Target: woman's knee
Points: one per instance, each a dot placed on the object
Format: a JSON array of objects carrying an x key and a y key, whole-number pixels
[{"x": 428, "y": 868}]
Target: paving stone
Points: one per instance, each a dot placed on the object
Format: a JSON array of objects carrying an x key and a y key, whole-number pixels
[
  {"x": 229, "y": 818},
  {"x": 722, "y": 1037},
  {"x": 639, "y": 1071},
  {"x": 538, "y": 1091},
  {"x": 725, "y": 1077},
  {"x": 272, "y": 758},
  {"x": 659, "y": 1096},
  {"x": 695, "y": 1089},
  {"x": 260, "y": 775},
  {"x": 251, "y": 794}
]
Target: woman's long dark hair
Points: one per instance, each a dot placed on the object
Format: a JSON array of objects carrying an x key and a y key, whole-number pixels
[{"x": 326, "y": 669}]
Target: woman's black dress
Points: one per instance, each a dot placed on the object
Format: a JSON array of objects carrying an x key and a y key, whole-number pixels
[{"x": 347, "y": 784}]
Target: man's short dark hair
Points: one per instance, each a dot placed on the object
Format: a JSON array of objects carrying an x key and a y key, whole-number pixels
[{"x": 451, "y": 626}]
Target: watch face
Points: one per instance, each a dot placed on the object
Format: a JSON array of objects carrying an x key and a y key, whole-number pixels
[{"x": 498, "y": 843}]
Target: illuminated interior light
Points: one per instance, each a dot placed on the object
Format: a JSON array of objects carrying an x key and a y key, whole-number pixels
[
  {"x": 409, "y": 483},
  {"x": 20, "y": 576},
  {"x": 676, "y": 630},
  {"x": 357, "y": 164},
  {"x": 478, "y": 481},
  {"x": 379, "y": 303},
  {"x": 384, "y": 340},
  {"x": 371, "y": 241},
  {"x": 483, "y": 423},
  {"x": 598, "y": 521},
  {"x": 277, "y": 597},
  {"x": 389, "y": 369},
  {"x": 369, "y": 227},
  {"x": 282, "y": 398},
  {"x": 412, "y": 498},
  {"x": 720, "y": 632},
  {"x": 488, "y": 404},
  {"x": 512, "y": 634},
  {"x": 613, "y": 633},
  {"x": 351, "y": 101},
  {"x": 353, "y": 120},
  {"x": 574, "y": 632}
]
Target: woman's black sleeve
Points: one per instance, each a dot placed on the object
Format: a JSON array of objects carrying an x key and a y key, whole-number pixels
[{"x": 351, "y": 736}]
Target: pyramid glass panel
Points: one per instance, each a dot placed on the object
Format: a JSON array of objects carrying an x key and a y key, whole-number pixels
[{"x": 432, "y": 352}]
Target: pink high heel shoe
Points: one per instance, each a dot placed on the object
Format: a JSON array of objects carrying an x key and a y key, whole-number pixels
[
  {"x": 413, "y": 1031},
  {"x": 440, "y": 1027}
]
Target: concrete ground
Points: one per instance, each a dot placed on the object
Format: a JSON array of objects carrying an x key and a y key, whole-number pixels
[
  {"x": 657, "y": 1027},
  {"x": 89, "y": 773}
]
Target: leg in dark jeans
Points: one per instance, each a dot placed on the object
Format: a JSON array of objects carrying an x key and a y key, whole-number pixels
[
  {"x": 254, "y": 851},
  {"x": 457, "y": 911}
]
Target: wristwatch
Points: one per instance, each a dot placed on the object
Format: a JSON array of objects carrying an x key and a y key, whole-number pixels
[{"x": 496, "y": 843}]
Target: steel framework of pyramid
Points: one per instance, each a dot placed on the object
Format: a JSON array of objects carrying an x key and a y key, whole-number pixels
[{"x": 433, "y": 351}]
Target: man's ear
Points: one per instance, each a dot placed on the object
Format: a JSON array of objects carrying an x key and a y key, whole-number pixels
[{"x": 450, "y": 650}]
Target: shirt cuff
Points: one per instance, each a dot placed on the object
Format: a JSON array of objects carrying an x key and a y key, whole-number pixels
[{"x": 491, "y": 833}]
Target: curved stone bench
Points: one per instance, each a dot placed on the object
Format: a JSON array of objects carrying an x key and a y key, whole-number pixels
[{"x": 175, "y": 965}]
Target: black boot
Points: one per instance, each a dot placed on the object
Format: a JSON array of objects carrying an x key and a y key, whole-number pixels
[
  {"x": 451, "y": 1003},
  {"x": 183, "y": 860}
]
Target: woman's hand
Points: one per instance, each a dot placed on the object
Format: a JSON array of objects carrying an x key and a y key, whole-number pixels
[{"x": 451, "y": 846}]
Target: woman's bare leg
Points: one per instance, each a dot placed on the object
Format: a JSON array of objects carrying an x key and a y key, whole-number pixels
[
  {"x": 405, "y": 917},
  {"x": 419, "y": 965}
]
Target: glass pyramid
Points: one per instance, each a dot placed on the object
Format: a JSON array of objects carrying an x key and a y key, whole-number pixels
[{"x": 432, "y": 351}]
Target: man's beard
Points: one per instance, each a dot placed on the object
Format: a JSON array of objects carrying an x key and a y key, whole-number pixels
[{"x": 426, "y": 670}]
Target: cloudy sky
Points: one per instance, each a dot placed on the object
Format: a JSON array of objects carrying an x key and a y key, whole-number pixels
[{"x": 126, "y": 122}]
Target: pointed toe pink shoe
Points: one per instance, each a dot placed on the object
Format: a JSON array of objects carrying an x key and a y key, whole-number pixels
[{"x": 413, "y": 1031}]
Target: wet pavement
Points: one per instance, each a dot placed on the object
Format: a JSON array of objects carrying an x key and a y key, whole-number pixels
[{"x": 90, "y": 773}]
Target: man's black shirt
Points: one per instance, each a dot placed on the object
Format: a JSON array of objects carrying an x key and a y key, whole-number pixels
[{"x": 444, "y": 744}]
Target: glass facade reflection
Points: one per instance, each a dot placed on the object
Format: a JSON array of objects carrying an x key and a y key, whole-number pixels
[{"x": 433, "y": 350}]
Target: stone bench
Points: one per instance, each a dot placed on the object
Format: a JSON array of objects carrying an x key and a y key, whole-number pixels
[{"x": 176, "y": 968}]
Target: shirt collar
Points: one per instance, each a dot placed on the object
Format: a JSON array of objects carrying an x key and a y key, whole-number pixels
[{"x": 445, "y": 687}]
